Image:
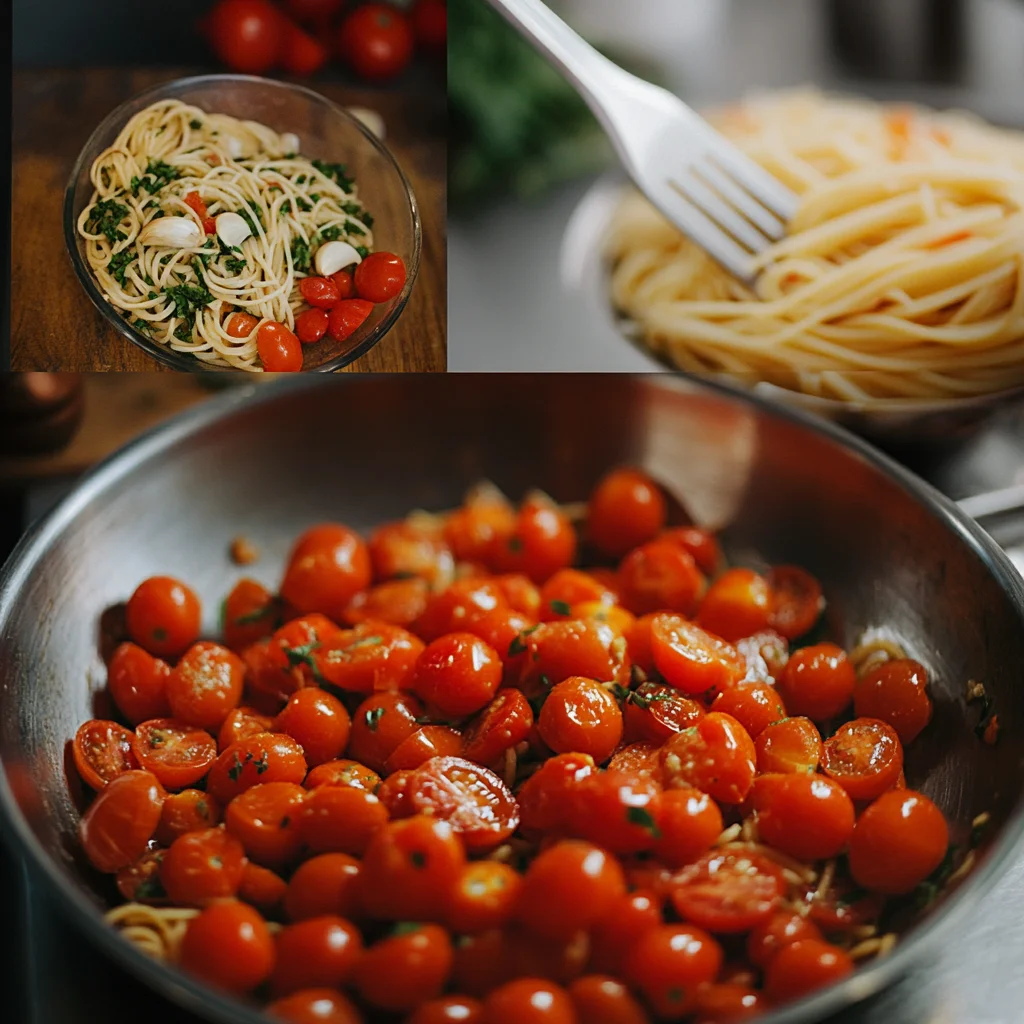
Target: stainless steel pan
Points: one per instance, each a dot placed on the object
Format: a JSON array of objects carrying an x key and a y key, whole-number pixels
[{"x": 267, "y": 462}]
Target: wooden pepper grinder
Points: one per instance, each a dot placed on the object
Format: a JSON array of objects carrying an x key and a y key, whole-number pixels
[{"x": 39, "y": 412}]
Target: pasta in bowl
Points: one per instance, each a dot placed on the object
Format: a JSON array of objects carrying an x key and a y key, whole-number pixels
[{"x": 218, "y": 221}]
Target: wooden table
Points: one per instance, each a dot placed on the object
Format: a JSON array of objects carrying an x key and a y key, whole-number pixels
[{"x": 54, "y": 326}]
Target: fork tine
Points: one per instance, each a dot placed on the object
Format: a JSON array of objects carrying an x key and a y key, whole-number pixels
[
  {"x": 752, "y": 177},
  {"x": 718, "y": 179},
  {"x": 713, "y": 206}
]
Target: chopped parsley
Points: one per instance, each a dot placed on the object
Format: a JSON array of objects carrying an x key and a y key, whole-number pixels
[
  {"x": 561, "y": 607},
  {"x": 300, "y": 255},
  {"x": 355, "y": 210},
  {"x": 928, "y": 890},
  {"x": 235, "y": 265},
  {"x": 158, "y": 174},
  {"x": 643, "y": 817},
  {"x": 335, "y": 172},
  {"x": 142, "y": 325},
  {"x": 262, "y": 764},
  {"x": 331, "y": 234},
  {"x": 119, "y": 264},
  {"x": 195, "y": 125},
  {"x": 235, "y": 771},
  {"x": 304, "y": 656},
  {"x": 105, "y": 219},
  {"x": 354, "y": 228},
  {"x": 188, "y": 300},
  {"x": 258, "y": 614},
  {"x": 248, "y": 218},
  {"x": 644, "y": 701},
  {"x": 373, "y": 717},
  {"x": 364, "y": 252},
  {"x": 518, "y": 644}
]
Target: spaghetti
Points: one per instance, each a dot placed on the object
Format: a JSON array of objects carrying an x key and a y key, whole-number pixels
[
  {"x": 901, "y": 275},
  {"x": 176, "y": 161}
]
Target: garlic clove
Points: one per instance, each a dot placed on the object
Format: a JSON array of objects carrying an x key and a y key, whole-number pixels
[
  {"x": 171, "y": 233},
  {"x": 291, "y": 143},
  {"x": 334, "y": 256},
  {"x": 370, "y": 119},
  {"x": 232, "y": 229},
  {"x": 234, "y": 146}
]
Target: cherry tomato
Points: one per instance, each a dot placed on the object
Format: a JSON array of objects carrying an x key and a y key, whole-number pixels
[
  {"x": 897, "y": 842},
  {"x": 200, "y": 867},
  {"x": 796, "y": 601},
  {"x": 612, "y": 615},
  {"x": 340, "y": 819},
  {"x": 191, "y": 810},
  {"x": 266, "y": 821},
  {"x": 311, "y": 325},
  {"x": 529, "y": 1001},
  {"x": 458, "y": 606},
  {"x": 729, "y": 891},
  {"x": 626, "y": 509},
  {"x": 479, "y": 527},
  {"x": 346, "y": 286},
  {"x": 102, "y": 751},
  {"x": 661, "y": 576},
  {"x": 320, "y": 292},
  {"x": 316, "y": 13},
  {"x": 327, "y": 884},
  {"x": 458, "y": 674},
  {"x": 262, "y": 888},
  {"x": 317, "y": 952},
  {"x": 425, "y": 743},
  {"x": 241, "y": 325},
  {"x": 669, "y": 963},
  {"x": 250, "y": 613},
  {"x": 279, "y": 349},
  {"x": 600, "y": 999},
  {"x": 240, "y": 724},
  {"x": 691, "y": 658},
  {"x": 754, "y": 705},
  {"x": 177, "y": 753},
  {"x": 347, "y": 317},
  {"x": 139, "y": 882},
  {"x": 728, "y": 1002},
  {"x": 448, "y": 1010},
  {"x": 716, "y": 756},
  {"x": 617, "y": 810},
  {"x": 397, "y": 602},
  {"x": 246, "y": 34},
  {"x": 404, "y": 970},
  {"x": 265, "y": 757},
  {"x": 302, "y": 54},
  {"x": 896, "y": 692},
  {"x": 377, "y": 41},
  {"x": 805, "y": 816},
  {"x": 205, "y": 685},
  {"x": 138, "y": 683},
  {"x": 803, "y": 966},
  {"x": 315, "y": 1006},
  {"x": 371, "y": 656},
  {"x": 642, "y": 758},
  {"x": 502, "y": 725},
  {"x": 120, "y": 822},
  {"x": 343, "y": 772},
  {"x": 288, "y": 661},
  {"x": 656, "y": 712},
  {"x": 700, "y": 543},
  {"x": 430, "y": 24},
  {"x": 380, "y": 724},
  {"x": 229, "y": 946},
  {"x": 817, "y": 682},
  {"x": 163, "y": 616},
  {"x": 409, "y": 869},
  {"x": 781, "y": 929},
  {"x": 792, "y": 745},
  {"x": 568, "y": 587},
  {"x": 542, "y": 542},
  {"x": 318, "y": 722},
  {"x": 546, "y": 795},
  {"x": 555, "y": 651},
  {"x": 620, "y": 928},
  {"x": 581, "y": 715},
  {"x": 865, "y": 757},
  {"x": 689, "y": 823},
  {"x": 484, "y": 897},
  {"x": 380, "y": 276},
  {"x": 406, "y": 548},
  {"x": 737, "y": 604},
  {"x": 195, "y": 201},
  {"x": 765, "y": 655},
  {"x": 328, "y": 566}
]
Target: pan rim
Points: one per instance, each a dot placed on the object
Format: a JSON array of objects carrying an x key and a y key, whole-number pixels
[{"x": 867, "y": 981}]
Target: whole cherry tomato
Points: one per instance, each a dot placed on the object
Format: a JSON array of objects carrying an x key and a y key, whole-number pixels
[
  {"x": 807, "y": 816},
  {"x": 626, "y": 509},
  {"x": 376, "y": 40},
  {"x": 581, "y": 715},
  {"x": 302, "y": 54},
  {"x": 529, "y": 1001},
  {"x": 120, "y": 822},
  {"x": 229, "y": 946},
  {"x": 320, "y": 292},
  {"x": 205, "y": 685},
  {"x": 781, "y": 929},
  {"x": 265, "y": 820},
  {"x": 262, "y": 888},
  {"x": 202, "y": 867},
  {"x": 251, "y": 613},
  {"x": 661, "y": 576},
  {"x": 138, "y": 683},
  {"x": 348, "y": 315},
  {"x": 896, "y": 692},
  {"x": 405, "y": 969},
  {"x": 620, "y": 928},
  {"x": 668, "y": 964},
  {"x": 484, "y": 897},
  {"x": 716, "y": 756},
  {"x": 803, "y": 966},
  {"x": 163, "y": 616},
  {"x": 315, "y": 1006},
  {"x": 457, "y": 674},
  {"x": 328, "y": 566},
  {"x": 449, "y": 1010},
  {"x": 381, "y": 276},
  {"x": 191, "y": 810},
  {"x": 317, "y": 721},
  {"x": 265, "y": 757},
  {"x": 311, "y": 325},
  {"x": 340, "y": 819},
  {"x": 241, "y": 325},
  {"x": 318, "y": 952},
  {"x": 427, "y": 742},
  {"x": 754, "y": 705},
  {"x": 380, "y": 724},
  {"x": 327, "y": 884},
  {"x": 600, "y": 999},
  {"x": 817, "y": 682},
  {"x": 246, "y": 34},
  {"x": 279, "y": 349}
]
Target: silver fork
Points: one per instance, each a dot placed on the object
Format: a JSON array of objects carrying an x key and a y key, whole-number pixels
[{"x": 715, "y": 194}]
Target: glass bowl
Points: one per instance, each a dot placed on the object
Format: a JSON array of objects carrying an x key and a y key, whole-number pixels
[{"x": 327, "y": 133}]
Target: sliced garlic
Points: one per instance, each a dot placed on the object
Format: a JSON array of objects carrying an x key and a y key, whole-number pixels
[
  {"x": 370, "y": 118},
  {"x": 291, "y": 143},
  {"x": 232, "y": 229},
  {"x": 334, "y": 256},
  {"x": 171, "y": 233}
]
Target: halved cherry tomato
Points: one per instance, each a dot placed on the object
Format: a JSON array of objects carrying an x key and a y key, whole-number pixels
[
  {"x": 690, "y": 658},
  {"x": 618, "y": 810},
  {"x": 865, "y": 757},
  {"x": 502, "y": 725},
  {"x": 896, "y": 692},
  {"x": 425, "y": 743},
  {"x": 340, "y": 819},
  {"x": 205, "y": 685},
  {"x": 320, "y": 292},
  {"x": 669, "y": 963},
  {"x": 803, "y": 966},
  {"x": 328, "y": 566},
  {"x": 311, "y": 325},
  {"x": 318, "y": 722},
  {"x": 557, "y": 650},
  {"x": 581, "y": 715},
  {"x": 102, "y": 751},
  {"x": 457, "y": 674},
  {"x": 626, "y": 509},
  {"x": 661, "y": 576},
  {"x": 380, "y": 276},
  {"x": 818, "y": 682},
  {"x": 380, "y": 724},
  {"x": 343, "y": 772},
  {"x": 177, "y": 753},
  {"x": 792, "y": 745},
  {"x": 201, "y": 867},
  {"x": 229, "y": 946},
  {"x": 796, "y": 603},
  {"x": 347, "y": 317},
  {"x": 484, "y": 897},
  {"x": 117, "y": 827},
  {"x": 280, "y": 351},
  {"x": 620, "y": 928},
  {"x": 405, "y": 969},
  {"x": 754, "y": 705},
  {"x": 806, "y": 816},
  {"x": 689, "y": 823},
  {"x": 656, "y": 712},
  {"x": 163, "y": 616},
  {"x": 241, "y": 723},
  {"x": 265, "y": 820},
  {"x": 317, "y": 952},
  {"x": 737, "y": 604},
  {"x": 781, "y": 929},
  {"x": 266, "y": 757},
  {"x": 327, "y": 884},
  {"x": 716, "y": 756},
  {"x": 371, "y": 656},
  {"x": 250, "y": 613},
  {"x": 138, "y": 683},
  {"x": 191, "y": 810},
  {"x": 241, "y": 325},
  {"x": 729, "y": 891}
]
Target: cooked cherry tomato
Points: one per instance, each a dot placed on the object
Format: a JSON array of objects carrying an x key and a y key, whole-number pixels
[
  {"x": 626, "y": 509},
  {"x": 191, "y": 810},
  {"x": 529, "y": 1001},
  {"x": 656, "y": 712},
  {"x": 615, "y": 809},
  {"x": 380, "y": 276},
  {"x": 287, "y": 661},
  {"x": 803, "y": 966},
  {"x": 163, "y": 616},
  {"x": 138, "y": 683},
  {"x": 177, "y": 753},
  {"x": 409, "y": 868},
  {"x": 796, "y": 601},
  {"x": 205, "y": 685},
  {"x": 320, "y": 292},
  {"x": 393, "y": 793},
  {"x": 791, "y": 745},
  {"x": 542, "y": 542},
  {"x": 371, "y": 656},
  {"x": 545, "y": 797},
  {"x": 328, "y": 566},
  {"x": 102, "y": 751},
  {"x": 347, "y": 317},
  {"x": 380, "y": 724},
  {"x": 457, "y": 674},
  {"x": 120, "y": 822},
  {"x": 729, "y": 1002},
  {"x": 327, "y": 884},
  {"x": 581, "y": 715},
  {"x": 617, "y": 618},
  {"x": 817, "y": 682},
  {"x": 569, "y": 587},
  {"x": 600, "y": 999},
  {"x": 555, "y": 651},
  {"x": 805, "y": 816},
  {"x": 448, "y": 1010},
  {"x": 484, "y": 897},
  {"x": 897, "y": 842},
  {"x": 266, "y": 821},
  {"x": 737, "y": 604},
  {"x": 318, "y": 722},
  {"x": 377, "y": 41},
  {"x": 265, "y": 757},
  {"x": 262, "y": 888},
  {"x": 479, "y": 527},
  {"x": 229, "y": 946},
  {"x": 700, "y": 543},
  {"x": 425, "y": 743},
  {"x": 754, "y": 705},
  {"x": 404, "y": 970},
  {"x": 139, "y": 882},
  {"x": 429, "y": 20},
  {"x": 340, "y": 819},
  {"x": 246, "y": 34},
  {"x": 865, "y": 757},
  {"x": 302, "y": 54},
  {"x": 641, "y": 758},
  {"x": 896, "y": 692},
  {"x": 241, "y": 325},
  {"x": 407, "y": 548},
  {"x": 728, "y": 891},
  {"x": 240, "y": 724},
  {"x": 279, "y": 349},
  {"x": 311, "y": 325},
  {"x": 343, "y": 772},
  {"x": 669, "y": 963},
  {"x": 661, "y": 576},
  {"x": 346, "y": 286},
  {"x": 502, "y": 725},
  {"x": 318, "y": 952},
  {"x": 692, "y": 659},
  {"x": 397, "y": 602},
  {"x": 619, "y": 929},
  {"x": 315, "y": 1006},
  {"x": 716, "y": 756},
  {"x": 200, "y": 867},
  {"x": 781, "y": 929},
  {"x": 250, "y": 613},
  {"x": 457, "y": 606},
  {"x": 689, "y": 823}
]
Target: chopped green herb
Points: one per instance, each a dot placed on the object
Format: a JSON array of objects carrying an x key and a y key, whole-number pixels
[
  {"x": 235, "y": 771},
  {"x": 202, "y": 808},
  {"x": 315, "y": 196},
  {"x": 248, "y": 218},
  {"x": 286, "y": 206},
  {"x": 355, "y": 210},
  {"x": 195, "y": 124},
  {"x": 151, "y": 888},
  {"x": 364, "y": 252},
  {"x": 335, "y": 172},
  {"x": 518, "y": 644},
  {"x": 644, "y": 701},
  {"x": 142, "y": 325},
  {"x": 259, "y": 614},
  {"x": 188, "y": 300},
  {"x": 373, "y": 717},
  {"x": 119, "y": 264},
  {"x": 355, "y": 229},
  {"x": 643, "y": 817},
  {"x": 620, "y": 692},
  {"x": 304, "y": 656},
  {"x": 928, "y": 890},
  {"x": 262, "y": 764},
  {"x": 407, "y": 927},
  {"x": 158, "y": 174},
  {"x": 235, "y": 265},
  {"x": 331, "y": 234},
  {"x": 418, "y": 858},
  {"x": 105, "y": 219},
  {"x": 300, "y": 255},
  {"x": 561, "y": 607}
]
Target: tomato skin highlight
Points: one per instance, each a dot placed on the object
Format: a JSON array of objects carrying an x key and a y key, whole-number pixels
[
  {"x": 896, "y": 692},
  {"x": 328, "y": 566},
  {"x": 669, "y": 963},
  {"x": 203, "y": 867},
  {"x": 737, "y": 604},
  {"x": 807, "y": 816},
  {"x": 818, "y": 682},
  {"x": 626, "y": 509},
  {"x": 581, "y": 715},
  {"x": 400, "y": 972},
  {"x": 320, "y": 292},
  {"x": 205, "y": 685}
]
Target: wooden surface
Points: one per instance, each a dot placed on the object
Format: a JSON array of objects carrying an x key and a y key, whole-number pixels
[{"x": 54, "y": 326}]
